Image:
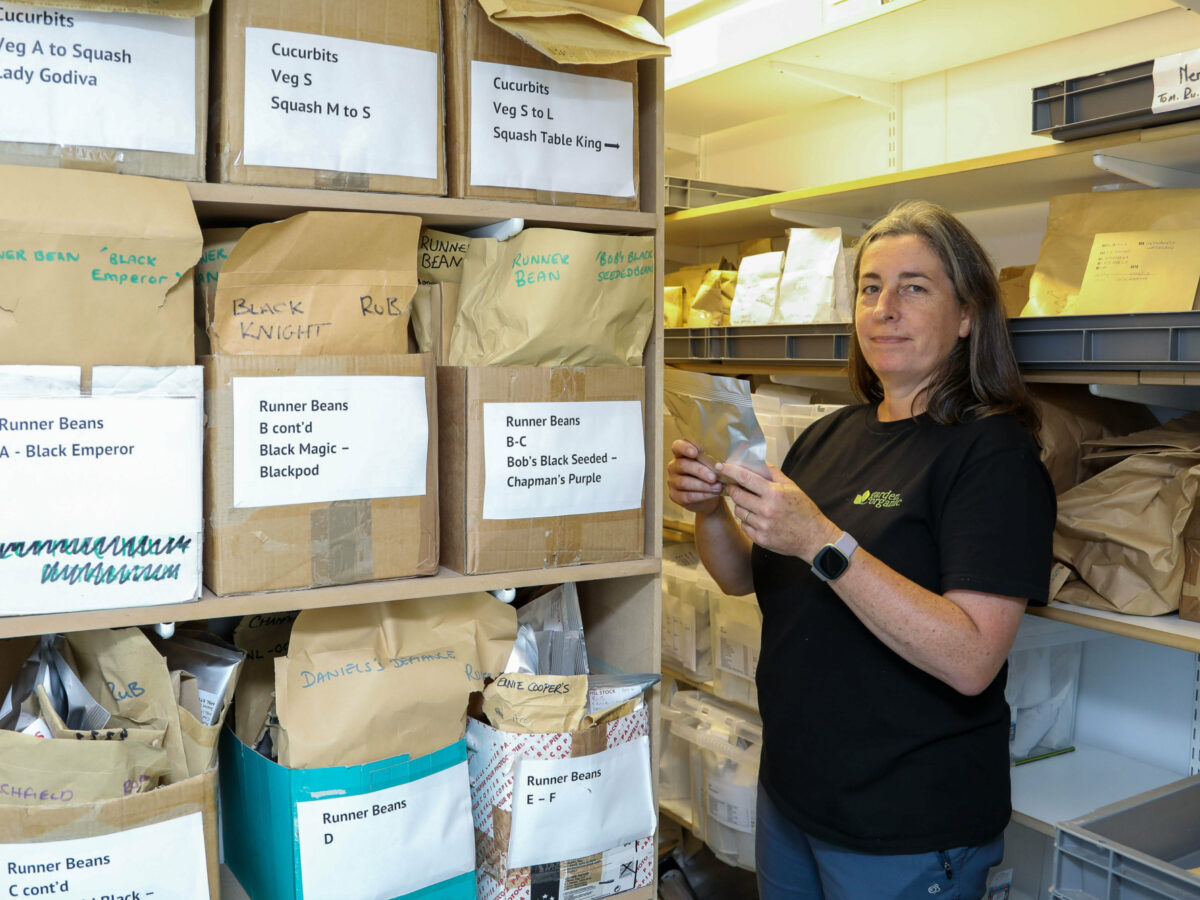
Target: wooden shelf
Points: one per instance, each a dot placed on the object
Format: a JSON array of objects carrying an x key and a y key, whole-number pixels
[
  {"x": 1169, "y": 630},
  {"x": 1072, "y": 784},
  {"x": 1006, "y": 179},
  {"x": 210, "y": 606},
  {"x": 705, "y": 686},
  {"x": 247, "y": 204},
  {"x": 677, "y": 811}
]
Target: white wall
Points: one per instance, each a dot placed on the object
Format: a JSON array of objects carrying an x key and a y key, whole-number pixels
[{"x": 962, "y": 113}]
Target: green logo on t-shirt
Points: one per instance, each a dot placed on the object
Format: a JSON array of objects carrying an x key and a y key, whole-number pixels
[{"x": 878, "y": 499}]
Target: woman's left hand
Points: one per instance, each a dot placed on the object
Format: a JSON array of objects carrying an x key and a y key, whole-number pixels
[{"x": 776, "y": 514}]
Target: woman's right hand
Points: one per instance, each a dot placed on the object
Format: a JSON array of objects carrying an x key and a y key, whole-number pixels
[{"x": 692, "y": 484}]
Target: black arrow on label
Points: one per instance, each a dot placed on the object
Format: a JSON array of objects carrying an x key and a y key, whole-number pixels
[{"x": 614, "y": 146}]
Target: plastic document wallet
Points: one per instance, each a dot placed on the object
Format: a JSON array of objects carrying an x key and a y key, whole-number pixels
[{"x": 395, "y": 828}]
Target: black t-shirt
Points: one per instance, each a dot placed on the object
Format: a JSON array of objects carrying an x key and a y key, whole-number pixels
[{"x": 860, "y": 747}]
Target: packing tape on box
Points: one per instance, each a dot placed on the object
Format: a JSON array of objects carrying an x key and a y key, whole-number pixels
[{"x": 342, "y": 542}]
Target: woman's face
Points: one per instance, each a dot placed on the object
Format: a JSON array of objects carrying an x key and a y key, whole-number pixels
[{"x": 907, "y": 316}]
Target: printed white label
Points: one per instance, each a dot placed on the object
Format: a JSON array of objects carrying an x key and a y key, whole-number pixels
[
  {"x": 609, "y": 790},
  {"x": 672, "y": 633},
  {"x": 102, "y": 502},
  {"x": 687, "y": 628},
  {"x": 161, "y": 860},
  {"x": 732, "y": 804},
  {"x": 616, "y": 874},
  {"x": 317, "y": 102},
  {"x": 98, "y": 79},
  {"x": 562, "y": 459},
  {"x": 387, "y": 843},
  {"x": 736, "y": 657},
  {"x": 320, "y": 438},
  {"x": 551, "y": 131},
  {"x": 1176, "y": 81}
]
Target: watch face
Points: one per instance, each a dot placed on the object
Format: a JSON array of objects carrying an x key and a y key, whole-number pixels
[{"x": 831, "y": 562}]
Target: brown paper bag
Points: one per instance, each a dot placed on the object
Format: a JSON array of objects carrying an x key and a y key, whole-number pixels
[
  {"x": 1182, "y": 433},
  {"x": 318, "y": 284},
  {"x": 1076, "y": 219},
  {"x": 434, "y": 308},
  {"x": 673, "y": 314},
  {"x": 549, "y": 297},
  {"x": 97, "y": 269},
  {"x": 218, "y": 244},
  {"x": 715, "y": 293},
  {"x": 1014, "y": 288},
  {"x": 578, "y": 33},
  {"x": 1123, "y": 534},
  {"x": 1189, "y": 597},
  {"x": 50, "y": 771},
  {"x": 123, "y": 671},
  {"x": 262, "y": 637},
  {"x": 440, "y": 256},
  {"x": 364, "y": 683},
  {"x": 1072, "y": 416},
  {"x": 536, "y": 704}
]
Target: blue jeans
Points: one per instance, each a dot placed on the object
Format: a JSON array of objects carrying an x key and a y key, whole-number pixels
[{"x": 793, "y": 865}]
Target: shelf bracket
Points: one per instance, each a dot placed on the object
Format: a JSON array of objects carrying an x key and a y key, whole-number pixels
[
  {"x": 1148, "y": 174},
  {"x": 881, "y": 93},
  {"x": 851, "y": 225}
]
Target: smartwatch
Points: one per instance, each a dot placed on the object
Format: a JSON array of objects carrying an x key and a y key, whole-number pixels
[{"x": 832, "y": 560}]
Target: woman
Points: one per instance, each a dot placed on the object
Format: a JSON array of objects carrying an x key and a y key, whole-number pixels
[{"x": 893, "y": 557}]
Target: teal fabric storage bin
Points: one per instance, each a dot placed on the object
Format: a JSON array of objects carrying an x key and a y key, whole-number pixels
[{"x": 270, "y": 828}]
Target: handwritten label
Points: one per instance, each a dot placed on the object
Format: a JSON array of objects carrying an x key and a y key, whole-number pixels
[
  {"x": 1176, "y": 81},
  {"x": 394, "y": 841},
  {"x": 320, "y": 438},
  {"x": 98, "y": 79},
  {"x": 551, "y": 131},
  {"x": 166, "y": 859},
  {"x": 733, "y": 805},
  {"x": 102, "y": 502},
  {"x": 562, "y": 459},
  {"x": 318, "y": 102},
  {"x": 609, "y": 790},
  {"x": 734, "y": 655},
  {"x": 311, "y": 678}
]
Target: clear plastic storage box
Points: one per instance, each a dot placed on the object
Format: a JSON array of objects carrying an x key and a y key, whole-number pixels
[
  {"x": 724, "y": 755},
  {"x": 1043, "y": 681},
  {"x": 737, "y": 640},
  {"x": 686, "y": 630}
]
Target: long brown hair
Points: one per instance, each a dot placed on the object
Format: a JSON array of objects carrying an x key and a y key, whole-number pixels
[{"x": 980, "y": 376}]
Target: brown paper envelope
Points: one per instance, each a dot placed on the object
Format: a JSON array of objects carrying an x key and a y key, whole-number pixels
[
  {"x": 551, "y": 297},
  {"x": 1182, "y": 433},
  {"x": 95, "y": 269},
  {"x": 348, "y": 707},
  {"x": 51, "y": 771},
  {"x": 536, "y": 704},
  {"x": 117, "y": 728},
  {"x": 199, "y": 742},
  {"x": 440, "y": 256},
  {"x": 406, "y": 670},
  {"x": 715, "y": 293},
  {"x": 318, "y": 284},
  {"x": 129, "y": 678},
  {"x": 1076, "y": 219},
  {"x": 262, "y": 637},
  {"x": 574, "y": 33},
  {"x": 1123, "y": 533}
]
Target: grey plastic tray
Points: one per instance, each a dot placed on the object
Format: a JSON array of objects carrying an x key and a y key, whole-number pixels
[
  {"x": 1138, "y": 849},
  {"x": 1088, "y": 105},
  {"x": 1137, "y": 341}
]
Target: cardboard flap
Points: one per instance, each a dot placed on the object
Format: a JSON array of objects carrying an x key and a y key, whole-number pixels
[
  {"x": 88, "y": 266},
  {"x": 575, "y": 33},
  {"x": 317, "y": 284},
  {"x": 180, "y": 8}
]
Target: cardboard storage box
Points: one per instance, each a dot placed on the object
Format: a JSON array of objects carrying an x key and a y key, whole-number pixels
[
  {"x": 520, "y": 127},
  {"x": 129, "y": 94},
  {"x": 540, "y": 466},
  {"x": 314, "y": 477},
  {"x": 529, "y": 794},
  {"x": 392, "y": 828},
  {"x": 329, "y": 94},
  {"x": 102, "y": 493},
  {"x": 95, "y": 269},
  {"x": 160, "y": 843}
]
